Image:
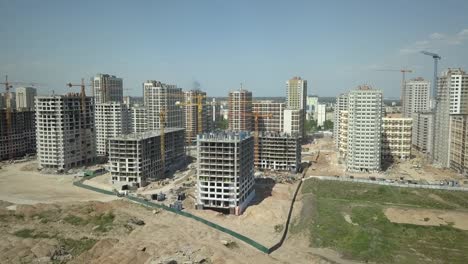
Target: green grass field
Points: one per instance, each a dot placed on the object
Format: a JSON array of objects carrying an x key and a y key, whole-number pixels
[{"x": 371, "y": 236}]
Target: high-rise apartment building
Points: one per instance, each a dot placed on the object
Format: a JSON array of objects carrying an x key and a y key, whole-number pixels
[
  {"x": 240, "y": 110},
  {"x": 293, "y": 123},
  {"x": 321, "y": 114},
  {"x": 196, "y": 119},
  {"x": 416, "y": 97},
  {"x": 341, "y": 105},
  {"x": 138, "y": 122},
  {"x": 214, "y": 114},
  {"x": 107, "y": 88},
  {"x": 8, "y": 99},
  {"x": 20, "y": 138},
  {"x": 65, "y": 134},
  {"x": 452, "y": 99},
  {"x": 25, "y": 98},
  {"x": 422, "y": 131},
  {"x": 161, "y": 100},
  {"x": 273, "y": 123},
  {"x": 459, "y": 144},
  {"x": 396, "y": 138},
  {"x": 111, "y": 120},
  {"x": 364, "y": 130},
  {"x": 225, "y": 173},
  {"x": 312, "y": 102},
  {"x": 296, "y": 97}
]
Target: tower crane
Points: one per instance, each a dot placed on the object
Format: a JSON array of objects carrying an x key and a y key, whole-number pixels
[
  {"x": 82, "y": 93},
  {"x": 403, "y": 83},
  {"x": 199, "y": 104},
  {"x": 436, "y": 58}
]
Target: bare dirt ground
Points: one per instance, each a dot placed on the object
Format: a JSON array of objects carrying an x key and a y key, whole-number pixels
[
  {"x": 260, "y": 218},
  {"x": 21, "y": 183},
  {"x": 428, "y": 217},
  {"x": 324, "y": 158}
]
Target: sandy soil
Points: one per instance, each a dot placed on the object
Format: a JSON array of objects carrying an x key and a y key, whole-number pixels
[
  {"x": 260, "y": 218},
  {"x": 428, "y": 217},
  {"x": 324, "y": 158},
  {"x": 21, "y": 183}
]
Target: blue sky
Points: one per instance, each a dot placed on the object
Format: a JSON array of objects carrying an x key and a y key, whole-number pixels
[{"x": 335, "y": 45}]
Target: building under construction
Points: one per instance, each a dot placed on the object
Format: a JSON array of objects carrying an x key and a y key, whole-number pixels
[
  {"x": 161, "y": 99},
  {"x": 196, "y": 115},
  {"x": 459, "y": 144},
  {"x": 111, "y": 119},
  {"x": 65, "y": 131},
  {"x": 240, "y": 110},
  {"x": 396, "y": 138},
  {"x": 225, "y": 171},
  {"x": 20, "y": 138},
  {"x": 278, "y": 152},
  {"x": 275, "y": 121},
  {"x": 135, "y": 159}
]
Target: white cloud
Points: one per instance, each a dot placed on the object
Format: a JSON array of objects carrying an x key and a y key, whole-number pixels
[{"x": 436, "y": 41}]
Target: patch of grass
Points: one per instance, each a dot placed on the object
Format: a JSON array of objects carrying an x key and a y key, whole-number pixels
[
  {"x": 76, "y": 247},
  {"x": 373, "y": 237},
  {"x": 75, "y": 220},
  {"x": 31, "y": 233}
]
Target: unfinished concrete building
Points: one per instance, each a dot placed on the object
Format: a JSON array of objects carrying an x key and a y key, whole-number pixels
[
  {"x": 138, "y": 121},
  {"x": 459, "y": 144},
  {"x": 364, "y": 130},
  {"x": 111, "y": 119},
  {"x": 107, "y": 88},
  {"x": 278, "y": 151},
  {"x": 135, "y": 159},
  {"x": 396, "y": 138},
  {"x": 195, "y": 119},
  {"x": 264, "y": 108},
  {"x": 162, "y": 99},
  {"x": 341, "y": 105},
  {"x": 20, "y": 139},
  {"x": 225, "y": 172},
  {"x": 422, "y": 131},
  {"x": 65, "y": 131},
  {"x": 240, "y": 110}
]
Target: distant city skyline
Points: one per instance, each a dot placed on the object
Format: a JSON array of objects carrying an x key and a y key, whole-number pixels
[{"x": 334, "y": 45}]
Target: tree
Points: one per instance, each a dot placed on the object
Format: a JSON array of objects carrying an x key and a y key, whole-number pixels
[
  {"x": 328, "y": 125},
  {"x": 310, "y": 126},
  {"x": 222, "y": 124}
]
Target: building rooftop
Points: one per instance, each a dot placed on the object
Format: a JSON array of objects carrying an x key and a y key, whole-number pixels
[
  {"x": 224, "y": 136},
  {"x": 147, "y": 134}
]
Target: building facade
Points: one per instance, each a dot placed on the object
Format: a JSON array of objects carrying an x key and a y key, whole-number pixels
[
  {"x": 422, "y": 131},
  {"x": 296, "y": 97},
  {"x": 107, "y": 88},
  {"x": 459, "y": 144},
  {"x": 278, "y": 152},
  {"x": 416, "y": 97},
  {"x": 341, "y": 105},
  {"x": 396, "y": 138},
  {"x": 20, "y": 138},
  {"x": 293, "y": 123},
  {"x": 273, "y": 122},
  {"x": 364, "y": 130},
  {"x": 161, "y": 100},
  {"x": 225, "y": 171},
  {"x": 135, "y": 159},
  {"x": 452, "y": 99},
  {"x": 196, "y": 120},
  {"x": 111, "y": 120},
  {"x": 240, "y": 110},
  {"x": 138, "y": 121},
  {"x": 65, "y": 134},
  {"x": 321, "y": 114},
  {"x": 312, "y": 102}
]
